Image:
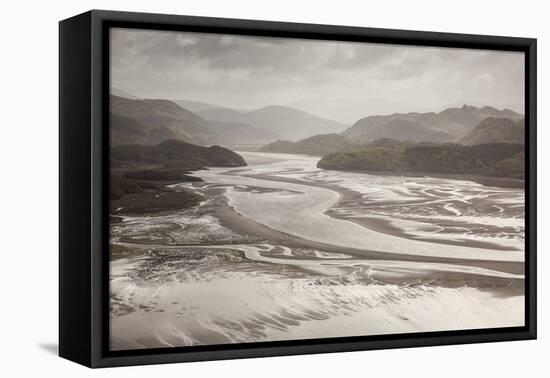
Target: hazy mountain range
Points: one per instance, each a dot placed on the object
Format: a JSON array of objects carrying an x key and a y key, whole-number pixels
[
  {"x": 151, "y": 121},
  {"x": 494, "y": 147},
  {"x": 290, "y": 123},
  {"x": 195, "y": 106},
  {"x": 121, "y": 93},
  {"x": 489, "y": 130},
  {"x": 287, "y": 130},
  {"x": 154, "y": 121},
  {"x": 449, "y": 125}
]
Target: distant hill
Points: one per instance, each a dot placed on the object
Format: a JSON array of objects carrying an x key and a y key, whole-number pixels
[
  {"x": 223, "y": 114},
  {"x": 239, "y": 133},
  {"x": 289, "y": 123},
  {"x": 153, "y": 121},
  {"x": 449, "y": 125},
  {"x": 317, "y": 145},
  {"x": 126, "y": 130},
  {"x": 178, "y": 154},
  {"x": 496, "y": 130},
  {"x": 495, "y": 159},
  {"x": 195, "y": 106},
  {"x": 120, "y": 93},
  {"x": 154, "y": 114}
]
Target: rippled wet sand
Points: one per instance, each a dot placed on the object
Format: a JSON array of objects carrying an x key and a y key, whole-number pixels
[{"x": 210, "y": 275}]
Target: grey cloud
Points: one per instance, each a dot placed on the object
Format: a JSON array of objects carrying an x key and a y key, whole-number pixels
[{"x": 356, "y": 79}]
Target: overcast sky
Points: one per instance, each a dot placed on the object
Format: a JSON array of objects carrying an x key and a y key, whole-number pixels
[{"x": 340, "y": 80}]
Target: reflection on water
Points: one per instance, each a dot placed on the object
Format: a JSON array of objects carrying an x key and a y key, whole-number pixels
[
  {"x": 435, "y": 208},
  {"x": 187, "y": 278},
  {"x": 413, "y": 206}
]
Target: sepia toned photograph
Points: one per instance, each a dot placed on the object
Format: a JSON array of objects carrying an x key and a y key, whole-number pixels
[{"x": 271, "y": 189}]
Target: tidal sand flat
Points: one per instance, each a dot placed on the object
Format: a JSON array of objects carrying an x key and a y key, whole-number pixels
[
  {"x": 282, "y": 250},
  {"x": 300, "y": 210}
]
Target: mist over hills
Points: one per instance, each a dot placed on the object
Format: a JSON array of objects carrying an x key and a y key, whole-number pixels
[
  {"x": 449, "y": 125},
  {"x": 195, "y": 106},
  {"x": 157, "y": 118},
  {"x": 466, "y": 125},
  {"x": 150, "y": 121},
  {"x": 153, "y": 121},
  {"x": 203, "y": 123},
  {"x": 121, "y": 93},
  {"x": 464, "y": 140},
  {"x": 414, "y": 142},
  {"x": 289, "y": 123}
]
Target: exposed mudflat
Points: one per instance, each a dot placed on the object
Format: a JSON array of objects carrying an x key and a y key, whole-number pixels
[{"x": 283, "y": 250}]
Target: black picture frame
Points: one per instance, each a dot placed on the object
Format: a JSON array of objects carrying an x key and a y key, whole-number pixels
[{"x": 83, "y": 180}]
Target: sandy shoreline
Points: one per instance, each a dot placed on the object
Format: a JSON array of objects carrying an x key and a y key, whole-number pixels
[
  {"x": 501, "y": 182},
  {"x": 246, "y": 226},
  {"x": 240, "y": 224},
  {"x": 262, "y": 301},
  {"x": 280, "y": 218},
  {"x": 243, "y": 281}
]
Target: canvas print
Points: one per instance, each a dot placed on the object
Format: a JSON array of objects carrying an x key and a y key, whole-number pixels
[{"x": 266, "y": 189}]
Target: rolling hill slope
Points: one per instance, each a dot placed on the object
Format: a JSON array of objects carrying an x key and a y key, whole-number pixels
[
  {"x": 287, "y": 122},
  {"x": 449, "y": 125},
  {"x": 153, "y": 121},
  {"x": 496, "y": 130}
]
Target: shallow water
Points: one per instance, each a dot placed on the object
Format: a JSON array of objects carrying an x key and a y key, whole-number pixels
[
  {"x": 423, "y": 207},
  {"x": 183, "y": 278}
]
